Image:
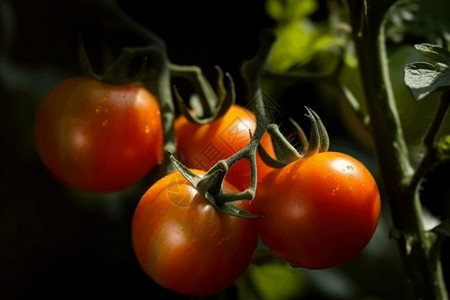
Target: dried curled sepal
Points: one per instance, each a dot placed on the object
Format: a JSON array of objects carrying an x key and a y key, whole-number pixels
[
  {"x": 323, "y": 134},
  {"x": 286, "y": 153},
  {"x": 218, "y": 103},
  {"x": 301, "y": 135}
]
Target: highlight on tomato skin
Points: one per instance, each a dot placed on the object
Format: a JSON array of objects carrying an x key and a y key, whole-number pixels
[
  {"x": 319, "y": 211},
  {"x": 99, "y": 137},
  {"x": 201, "y": 146},
  {"x": 184, "y": 244}
]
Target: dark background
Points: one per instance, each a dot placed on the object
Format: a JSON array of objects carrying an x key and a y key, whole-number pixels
[{"x": 59, "y": 243}]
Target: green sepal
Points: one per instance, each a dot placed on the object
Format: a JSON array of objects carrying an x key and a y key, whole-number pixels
[
  {"x": 268, "y": 160},
  {"x": 195, "y": 181},
  {"x": 224, "y": 100},
  {"x": 228, "y": 208}
]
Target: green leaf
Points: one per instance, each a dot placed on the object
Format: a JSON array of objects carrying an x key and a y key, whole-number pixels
[
  {"x": 299, "y": 39},
  {"x": 290, "y": 10},
  {"x": 443, "y": 228},
  {"x": 443, "y": 147},
  {"x": 435, "y": 52},
  {"x": 424, "y": 78},
  {"x": 424, "y": 19},
  {"x": 272, "y": 281}
]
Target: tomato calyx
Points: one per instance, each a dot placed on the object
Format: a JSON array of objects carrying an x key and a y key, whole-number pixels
[
  {"x": 209, "y": 105},
  {"x": 210, "y": 187},
  {"x": 285, "y": 153}
]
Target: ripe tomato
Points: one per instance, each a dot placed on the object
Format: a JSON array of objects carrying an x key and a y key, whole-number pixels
[
  {"x": 99, "y": 137},
  {"x": 319, "y": 211},
  {"x": 185, "y": 244},
  {"x": 202, "y": 146}
]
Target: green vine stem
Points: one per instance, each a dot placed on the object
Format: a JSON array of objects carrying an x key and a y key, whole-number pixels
[
  {"x": 157, "y": 50},
  {"x": 251, "y": 71},
  {"x": 419, "y": 253},
  {"x": 429, "y": 141}
]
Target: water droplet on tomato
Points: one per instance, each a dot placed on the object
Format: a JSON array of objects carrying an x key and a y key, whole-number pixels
[
  {"x": 147, "y": 129},
  {"x": 105, "y": 123},
  {"x": 350, "y": 168}
]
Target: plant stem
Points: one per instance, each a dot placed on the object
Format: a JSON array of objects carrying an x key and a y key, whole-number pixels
[
  {"x": 420, "y": 258},
  {"x": 430, "y": 158},
  {"x": 157, "y": 49}
]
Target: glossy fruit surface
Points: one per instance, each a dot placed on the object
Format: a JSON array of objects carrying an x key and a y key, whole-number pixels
[
  {"x": 185, "y": 244},
  {"x": 99, "y": 137},
  {"x": 319, "y": 211},
  {"x": 201, "y": 146}
]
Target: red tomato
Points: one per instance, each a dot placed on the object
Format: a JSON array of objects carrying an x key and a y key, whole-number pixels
[
  {"x": 99, "y": 137},
  {"x": 202, "y": 146},
  {"x": 318, "y": 211},
  {"x": 185, "y": 244}
]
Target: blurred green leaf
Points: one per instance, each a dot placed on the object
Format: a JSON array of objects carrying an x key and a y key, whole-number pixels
[
  {"x": 427, "y": 19},
  {"x": 290, "y": 10},
  {"x": 443, "y": 147},
  {"x": 271, "y": 281},
  {"x": 424, "y": 78},
  {"x": 298, "y": 38},
  {"x": 435, "y": 52}
]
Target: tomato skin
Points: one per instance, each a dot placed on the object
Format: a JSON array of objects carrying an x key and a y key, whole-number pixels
[
  {"x": 99, "y": 137},
  {"x": 185, "y": 244},
  {"x": 319, "y": 211},
  {"x": 202, "y": 146}
]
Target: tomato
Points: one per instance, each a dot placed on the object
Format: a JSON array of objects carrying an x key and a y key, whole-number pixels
[
  {"x": 185, "y": 244},
  {"x": 202, "y": 146},
  {"x": 99, "y": 137},
  {"x": 319, "y": 211}
]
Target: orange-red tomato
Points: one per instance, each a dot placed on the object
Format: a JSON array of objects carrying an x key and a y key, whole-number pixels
[
  {"x": 184, "y": 244},
  {"x": 99, "y": 137},
  {"x": 202, "y": 146},
  {"x": 318, "y": 211}
]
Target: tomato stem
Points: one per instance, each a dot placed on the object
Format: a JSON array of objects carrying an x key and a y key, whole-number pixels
[
  {"x": 420, "y": 255},
  {"x": 251, "y": 72}
]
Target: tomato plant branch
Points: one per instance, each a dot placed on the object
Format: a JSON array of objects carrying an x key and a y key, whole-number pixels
[
  {"x": 429, "y": 141},
  {"x": 420, "y": 259},
  {"x": 157, "y": 50},
  {"x": 251, "y": 72}
]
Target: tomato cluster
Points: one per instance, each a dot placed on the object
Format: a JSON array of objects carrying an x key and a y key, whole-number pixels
[{"x": 316, "y": 212}]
